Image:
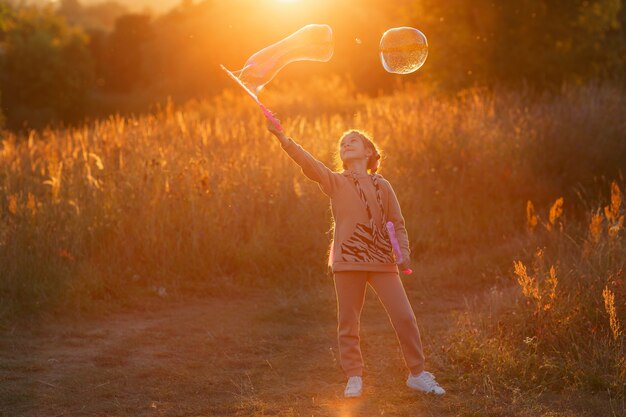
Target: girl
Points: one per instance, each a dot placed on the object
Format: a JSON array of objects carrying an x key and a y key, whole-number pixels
[{"x": 362, "y": 201}]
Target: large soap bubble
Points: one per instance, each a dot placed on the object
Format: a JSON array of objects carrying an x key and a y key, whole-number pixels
[
  {"x": 403, "y": 50},
  {"x": 310, "y": 43}
]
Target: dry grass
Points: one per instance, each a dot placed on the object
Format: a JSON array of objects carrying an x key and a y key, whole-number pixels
[
  {"x": 201, "y": 195},
  {"x": 563, "y": 329},
  {"x": 197, "y": 212}
]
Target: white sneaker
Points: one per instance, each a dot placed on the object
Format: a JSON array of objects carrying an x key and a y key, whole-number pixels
[
  {"x": 354, "y": 387},
  {"x": 425, "y": 382}
]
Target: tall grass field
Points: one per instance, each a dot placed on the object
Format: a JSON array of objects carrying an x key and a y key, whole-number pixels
[{"x": 200, "y": 199}]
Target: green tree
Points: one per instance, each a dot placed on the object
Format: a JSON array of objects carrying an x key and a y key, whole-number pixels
[
  {"x": 5, "y": 17},
  {"x": 123, "y": 55},
  {"x": 540, "y": 42},
  {"x": 100, "y": 16},
  {"x": 550, "y": 41},
  {"x": 45, "y": 70}
]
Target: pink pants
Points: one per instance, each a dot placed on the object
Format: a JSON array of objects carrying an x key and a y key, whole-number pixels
[{"x": 350, "y": 287}]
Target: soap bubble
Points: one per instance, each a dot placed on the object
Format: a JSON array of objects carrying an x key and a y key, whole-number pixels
[
  {"x": 310, "y": 43},
  {"x": 403, "y": 50}
]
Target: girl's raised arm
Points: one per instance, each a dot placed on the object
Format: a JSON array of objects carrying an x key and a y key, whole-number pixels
[{"x": 311, "y": 167}]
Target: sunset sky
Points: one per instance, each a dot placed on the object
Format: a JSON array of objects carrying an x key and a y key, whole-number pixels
[{"x": 156, "y": 5}]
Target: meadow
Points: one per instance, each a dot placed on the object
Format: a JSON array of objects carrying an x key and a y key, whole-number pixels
[{"x": 513, "y": 204}]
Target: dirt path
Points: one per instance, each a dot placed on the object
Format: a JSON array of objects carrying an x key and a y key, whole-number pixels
[
  {"x": 131, "y": 364},
  {"x": 262, "y": 354}
]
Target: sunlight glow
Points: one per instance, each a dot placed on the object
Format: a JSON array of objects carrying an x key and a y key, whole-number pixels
[{"x": 346, "y": 409}]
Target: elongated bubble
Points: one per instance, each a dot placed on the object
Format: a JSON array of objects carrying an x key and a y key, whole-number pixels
[
  {"x": 403, "y": 50},
  {"x": 310, "y": 43}
]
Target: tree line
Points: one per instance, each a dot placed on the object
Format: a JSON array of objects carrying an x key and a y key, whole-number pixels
[{"x": 60, "y": 64}]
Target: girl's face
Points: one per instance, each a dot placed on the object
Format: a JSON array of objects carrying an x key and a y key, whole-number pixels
[{"x": 352, "y": 147}]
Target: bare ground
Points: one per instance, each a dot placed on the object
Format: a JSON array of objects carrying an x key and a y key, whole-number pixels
[{"x": 259, "y": 353}]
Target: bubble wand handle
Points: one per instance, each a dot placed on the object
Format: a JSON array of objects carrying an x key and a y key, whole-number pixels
[
  {"x": 396, "y": 247},
  {"x": 268, "y": 114}
]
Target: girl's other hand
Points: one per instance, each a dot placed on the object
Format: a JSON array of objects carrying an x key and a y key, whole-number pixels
[{"x": 405, "y": 265}]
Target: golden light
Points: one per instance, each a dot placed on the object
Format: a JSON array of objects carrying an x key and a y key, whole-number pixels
[{"x": 343, "y": 407}]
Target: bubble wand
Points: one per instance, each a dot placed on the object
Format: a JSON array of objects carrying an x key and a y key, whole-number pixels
[
  {"x": 268, "y": 114},
  {"x": 310, "y": 43},
  {"x": 396, "y": 247}
]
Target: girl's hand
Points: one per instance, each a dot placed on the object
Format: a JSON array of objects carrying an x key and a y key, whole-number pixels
[
  {"x": 273, "y": 129},
  {"x": 282, "y": 138},
  {"x": 406, "y": 264}
]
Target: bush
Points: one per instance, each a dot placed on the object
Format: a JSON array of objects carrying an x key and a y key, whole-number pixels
[{"x": 566, "y": 326}]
